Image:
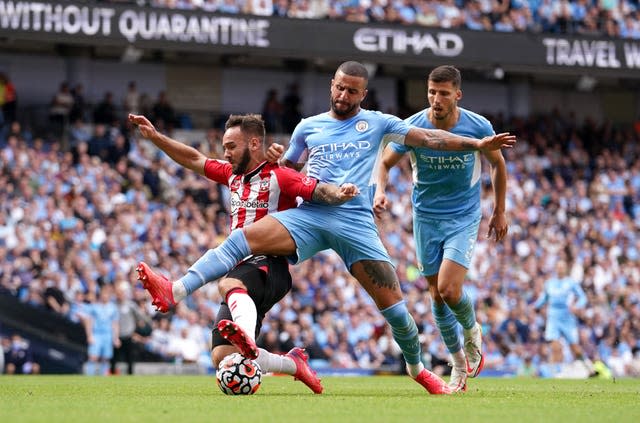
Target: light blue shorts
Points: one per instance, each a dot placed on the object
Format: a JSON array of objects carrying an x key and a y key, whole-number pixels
[
  {"x": 439, "y": 239},
  {"x": 352, "y": 234},
  {"x": 565, "y": 326},
  {"x": 102, "y": 346}
]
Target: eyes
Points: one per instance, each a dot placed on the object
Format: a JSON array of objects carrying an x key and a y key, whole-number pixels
[
  {"x": 441, "y": 93},
  {"x": 340, "y": 87}
]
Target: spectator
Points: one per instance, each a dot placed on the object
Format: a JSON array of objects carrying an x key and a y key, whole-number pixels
[
  {"x": 131, "y": 101},
  {"x": 272, "y": 112},
  {"x": 105, "y": 111},
  {"x": 18, "y": 357},
  {"x": 8, "y": 99},
  {"x": 163, "y": 112},
  {"x": 60, "y": 109}
]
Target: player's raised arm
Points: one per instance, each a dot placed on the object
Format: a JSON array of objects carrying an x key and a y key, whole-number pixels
[
  {"x": 334, "y": 195},
  {"x": 438, "y": 139},
  {"x": 389, "y": 159},
  {"x": 183, "y": 154}
]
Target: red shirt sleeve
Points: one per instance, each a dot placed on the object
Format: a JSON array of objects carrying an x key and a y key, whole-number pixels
[
  {"x": 218, "y": 170},
  {"x": 295, "y": 184}
]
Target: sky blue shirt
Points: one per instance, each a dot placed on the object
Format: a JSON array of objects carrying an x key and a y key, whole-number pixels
[
  {"x": 349, "y": 150},
  {"x": 560, "y": 294},
  {"x": 446, "y": 183}
]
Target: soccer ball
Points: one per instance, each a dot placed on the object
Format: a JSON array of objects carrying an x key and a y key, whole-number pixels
[{"x": 238, "y": 375}]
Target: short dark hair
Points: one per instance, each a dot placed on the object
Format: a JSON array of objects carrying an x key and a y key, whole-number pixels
[
  {"x": 251, "y": 124},
  {"x": 352, "y": 68},
  {"x": 446, "y": 73}
]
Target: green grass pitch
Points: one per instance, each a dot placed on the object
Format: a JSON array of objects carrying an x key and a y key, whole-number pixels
[{"x": 169, "y": 399}]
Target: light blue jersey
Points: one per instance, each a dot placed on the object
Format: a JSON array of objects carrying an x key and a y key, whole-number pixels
[
  {"x": 349, "y": 150},
  {"x": 341, "y": 151},
  {"x": 560, "y": 294},
  {"x": 446, "y": 183}
]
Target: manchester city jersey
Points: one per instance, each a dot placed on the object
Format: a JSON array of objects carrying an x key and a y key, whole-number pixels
[
  {"x": 341, "y": 151},
  {"x": 446, "y": 183},
  {"x": 559, "y": 293}
]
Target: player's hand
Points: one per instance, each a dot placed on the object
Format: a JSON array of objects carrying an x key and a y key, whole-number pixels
[
  {"x": 274, "y": 152},
  {"x": 348, "y": 191},
  {"x": 380, "y": 204},
  {"x": 496, "y": 142},
  {"x": 498, "y": 226},
  {"x": 145, "y": 127}
]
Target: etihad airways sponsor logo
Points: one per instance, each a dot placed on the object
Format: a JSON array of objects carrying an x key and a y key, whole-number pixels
[
  {"x": 381, "y": 40},
  {"x": 447, "y": 162},
  {"x": 342, "y": 150}
]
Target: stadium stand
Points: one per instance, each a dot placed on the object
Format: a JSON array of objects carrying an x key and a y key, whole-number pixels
[{"x": 74, "y": 221}]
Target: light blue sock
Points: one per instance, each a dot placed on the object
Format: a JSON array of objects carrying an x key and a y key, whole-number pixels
[
  {"x": 91, "y": 368},
  {"x": 216, "y": 262},
  {"x": 464, "y": 312},
  {"x": 447, "y": 325},
  {"x": 404, "y": 331}
]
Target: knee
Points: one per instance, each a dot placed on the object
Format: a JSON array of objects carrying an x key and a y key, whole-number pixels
[
  {"x": 227, "y": 284},
  {"x": 450, "y": 293}
]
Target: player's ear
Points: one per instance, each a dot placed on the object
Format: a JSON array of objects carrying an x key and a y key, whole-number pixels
[
  {"x": 458, "y": 95},
  {"x": 255, "y": 143}
]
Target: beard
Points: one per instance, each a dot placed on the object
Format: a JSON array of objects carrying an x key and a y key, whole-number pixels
[
  {"x": 241, "y": 167},
  {"x": 344, "y": 112}
]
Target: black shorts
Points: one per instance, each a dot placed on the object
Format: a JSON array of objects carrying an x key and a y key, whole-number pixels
[{"x": 267, "y": 279}]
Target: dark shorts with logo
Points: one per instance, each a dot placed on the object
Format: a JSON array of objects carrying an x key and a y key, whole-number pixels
[{"x": 267, "y": 279}]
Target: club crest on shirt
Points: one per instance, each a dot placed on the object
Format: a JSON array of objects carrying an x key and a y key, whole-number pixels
[
  {"x": 362, "y": 125},
  {"x": 307, "y": 181},
  {"x": 264, "y": 185}
]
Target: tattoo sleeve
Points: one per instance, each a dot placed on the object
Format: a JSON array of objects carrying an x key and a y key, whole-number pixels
[
  {"x": 438, "y": 139},
  {"x": 327, "y": 194},
  {"x": 381, "y": 274}
]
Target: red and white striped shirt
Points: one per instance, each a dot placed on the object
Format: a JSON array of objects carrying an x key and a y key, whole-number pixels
[{"x": 265, "y": 189}]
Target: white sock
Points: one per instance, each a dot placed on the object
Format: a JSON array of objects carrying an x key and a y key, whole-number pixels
[
  {"x": 275, "y": 363},
  {"x": 414, "y": 369},
  {"x": 243, "y": 311},
  {"x": 459, "y": 360},
  {"x": 179, "y": 291}
]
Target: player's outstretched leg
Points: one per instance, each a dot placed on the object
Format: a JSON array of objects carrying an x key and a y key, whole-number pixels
[
  {"x": 235, "y": 334},
  {"x": 158, "y": 286},
  {"x": 304, "y": 373},
  {"x": 473, "y": 350},
  {"x": 433, "y": 383}
]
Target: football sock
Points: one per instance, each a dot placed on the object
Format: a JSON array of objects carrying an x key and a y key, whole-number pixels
[
  {"x": 405, "y": 333},
  {"x": 447, "y": 325},
  {"x": 243, "y": 310},
  {"x": 275, "y": 363},
  {"x": 216, "y": 262},
  {"x": 90, "y": 368},
  {"x": 459, "y": 359},
  {"x": 464, "y": 312}
]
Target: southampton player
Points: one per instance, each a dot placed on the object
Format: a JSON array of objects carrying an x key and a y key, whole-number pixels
[
  {"x": 343, "y": 144},
  {"x": 563, "y": 296},
  {"x": 447, "y": 212},
  {"x": 255, "y": 284}
]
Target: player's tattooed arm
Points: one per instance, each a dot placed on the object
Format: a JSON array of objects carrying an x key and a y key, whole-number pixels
[
  {"x": 438, "y": 139},
  {"x": 334, "y": 195}
]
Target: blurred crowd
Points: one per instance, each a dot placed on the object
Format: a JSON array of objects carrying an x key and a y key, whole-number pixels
[
  {"x": 74, "y": 223},
  {"x": 612, "y": 18}
]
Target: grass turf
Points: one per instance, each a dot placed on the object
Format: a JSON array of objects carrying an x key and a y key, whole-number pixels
[{"x": 346, "y": 399}]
